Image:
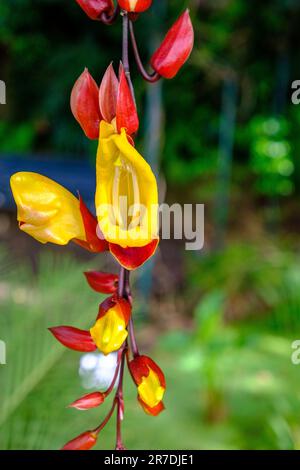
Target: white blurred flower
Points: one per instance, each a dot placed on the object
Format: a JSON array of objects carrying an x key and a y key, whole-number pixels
[{"x": 97, "y": 370}]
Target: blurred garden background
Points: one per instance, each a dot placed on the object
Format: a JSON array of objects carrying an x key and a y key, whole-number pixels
[{"x": 221, "y": 321}]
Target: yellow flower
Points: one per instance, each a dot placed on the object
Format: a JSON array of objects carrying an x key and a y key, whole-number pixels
[
  {"x": 109, "y": 331},
  {"x": 46, "y": 211},
  {"x": 150, "y": 389},
  {"x": 151, "y": 383},
  {"x": 126, "y": 195}
]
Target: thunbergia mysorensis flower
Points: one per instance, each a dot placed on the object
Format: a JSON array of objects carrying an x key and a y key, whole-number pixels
[
  {"x": 126, "y": 195},
  {"x": 126, "y": 206},
  {"x": 150, "y": 382}
]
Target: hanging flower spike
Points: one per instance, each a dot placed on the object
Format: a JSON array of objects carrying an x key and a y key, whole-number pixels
[
  {"x": 126, "y": 113},
  {"x": 104, "y": 283},
  {"x": 126, "y": 194},
  {"x": 85, "y": 104},
  {"x": 150, "y": 382},
  {"x": 175, "y": 49},
  {"x": 91, "y": 400},
  {"x": 46, "y": 211},
  {"x": 109, "y": 331},
  {"x": 94, "y": 8},
  {"x": 126, "y": 202},
  {"x": 73, "y": 338},
  {"x": 85, "y": 441},
  {"x": 135, "y": 6}
]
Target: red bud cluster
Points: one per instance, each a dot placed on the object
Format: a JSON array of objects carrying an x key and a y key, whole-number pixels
[{"x": 114, "y": 100}]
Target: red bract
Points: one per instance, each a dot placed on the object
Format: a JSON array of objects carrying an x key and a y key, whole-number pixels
[
  {"x": 85, "y": 104},
  {"x": 133, "y": 257},
  {"x": 175, "y": 48},
  {"x": 104, "y": 283},
  {"x": 92, "y": 400},
  {"x": 73, "y": 338},
  {"x": 126, "y": 112},
  {"x": 94, "y": 8},
  {"x": 95, "y": 239},
  {"x": 108, "y": 94},
  {"x": 85, "y": 441},
  {"x": 136, "y": 6}
]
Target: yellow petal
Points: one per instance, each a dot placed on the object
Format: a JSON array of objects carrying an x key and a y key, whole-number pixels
[
  {"x": 45, "y": 210},
  {"x": 126, "y": 195},
  {"x": 109, "y": 332},
  {"x": 150, "y": 389}
]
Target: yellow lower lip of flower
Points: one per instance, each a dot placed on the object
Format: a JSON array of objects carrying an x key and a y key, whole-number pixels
[
  {"x": 150, "y": 389},
  {"x": 46, "y": 210},
  {"x": 126, "y": 195},
  {"x": 109, "y": 332}
]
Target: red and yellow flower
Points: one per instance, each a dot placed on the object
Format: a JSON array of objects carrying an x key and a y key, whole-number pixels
[
  {"x": 151, "y": 383},
  {"x": 107, "y": 334}
]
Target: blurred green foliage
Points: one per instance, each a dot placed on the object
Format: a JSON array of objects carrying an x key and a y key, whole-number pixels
[{"x": 271, "y": 157}]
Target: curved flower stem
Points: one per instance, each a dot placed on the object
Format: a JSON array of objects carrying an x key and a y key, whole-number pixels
[
  {"x": 134, "y": 346},
  {"x": 125, "y": 50},
  {"x": 128, "y": 295},
  {"x": 151, "y": 78},
  {"x": 120, "y": 356},
  {"x": 109, "y": 20},
  {"x": 106, "y": 419},
  {"x": 120, "y": 406},
  {"x": 121, "y": 283}
]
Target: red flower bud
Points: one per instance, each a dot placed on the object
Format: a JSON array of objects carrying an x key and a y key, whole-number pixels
[
  {"x": 95, "y": 241},
  {"x": 175, "y": 48},
  {"x": 94, "y": 8},
  {"x": 92, "y": 400},
  {"x": 73, "y": 338},
  {"x": 126, "y": 112},
  {"x": 85, "y": 441},
  {"x": 136, "y": 6},
  {"x": 108, "y": 94},
  {"x": 85, "y": 104},
  {"x": 104, "y": 283}
]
